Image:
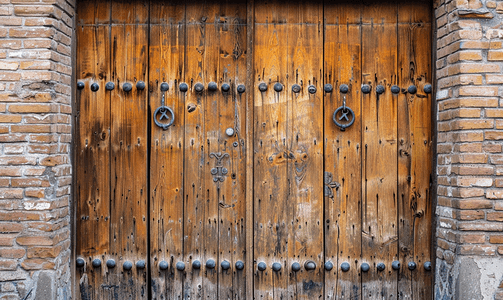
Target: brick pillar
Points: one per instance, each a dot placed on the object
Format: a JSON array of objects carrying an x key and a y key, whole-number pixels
[
  {"x": 470, "y": 160},
  {"x": 35, "y": 136}
]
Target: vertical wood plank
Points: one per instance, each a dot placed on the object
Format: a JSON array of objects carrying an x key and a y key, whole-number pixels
[
  {"x": 343, "y": 151},
  {"x": 414, "y": 133},
  {"x": 379, "y": 216},
  {"x": 128, "y": 225},
  {"x": 271, "y": 209},
  {"x": 166, "y": 65}
]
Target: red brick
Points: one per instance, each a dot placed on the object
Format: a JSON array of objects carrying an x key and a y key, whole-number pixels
[
  {"x": 496, "y": 239},
  {"x": 37, "y": 264},
  {"x": 495, "y": 216},
  {"x": 12, "y": 252},
  {"x": 35, "y": 240},
  {"x": 471, "y": 215}
]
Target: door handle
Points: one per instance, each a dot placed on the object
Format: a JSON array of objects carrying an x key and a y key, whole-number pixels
[
  {"x": 166, "y": 113},
  {"x": 345, "y": 110}
]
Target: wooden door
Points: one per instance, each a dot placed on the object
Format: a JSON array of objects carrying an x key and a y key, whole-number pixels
[{"x": 240, "y": 150}]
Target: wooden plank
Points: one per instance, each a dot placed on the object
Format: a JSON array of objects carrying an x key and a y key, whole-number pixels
[
  {"x": 166, "y": 65},
  {"x": 414, "y": 133},
  {"x": 304, "y": 148},
  {"x": 92, "y": 156},
  {"x": 93, "y": 12},
  {"x": 271, "y": 213},
  {"x": 343, "y": 151},
  {"x": 129, "y": 142},
  {"x": 379, "y": 129}
]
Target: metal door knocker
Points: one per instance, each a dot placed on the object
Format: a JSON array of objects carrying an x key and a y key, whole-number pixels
[
  {"x": 166, "y": 113},
  {"x": 345, "y": 111}
]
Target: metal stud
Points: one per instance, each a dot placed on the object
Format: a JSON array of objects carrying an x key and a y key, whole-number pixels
[
  {"x": 127, "y": 87},
  {"x": 95, "y": 87},
  {"x": 80, "y": 85},
  {"x": 310, "y": 265},
  {"x": 395, "y": 265},
  {"x": 381, "y": 267},
  {"x": 311, "y": 89},
  {"x": 261, "y": 266},
  {"x": 276, "y": 267},
  {"x": 262, "y": 87},
  {"x": 163, "y": 265},
  {"x": 225, "y": 87},
  {"x": 240, "y": 265},
  {"x": 328, "y": 88},
  {"x": 225, "y": 265},
  {"x": 241, "y": 88},
  {"x": 344, "y": 88},
  {"x": 380, "y": 89},
  {"x": 295, "y": 267},
  {"x": 198, "y": 87},
  {"x": 235, "y": 144},
  {"x": 412, "y": 265},
  {"x": 196, "y": 264},
  {"x": 295, "y": 88},
  {"x": 427, "y": 266},
  {"x": 140, "y": 85},
  {"x": 127, "y": 265},
  {"x": 80, "y": 262},
  {"x": 395, "y": 89},
  {"x": 212, "y": 86},
  {"x": 140, "y": 264},
  {"x": 278, "y": 87},
  {"x": 366, "y": 88},
  {"x": 164, "y": 87},
  {"x": 111, "y": 263},
  {"x": 183, "y": 87},
  {"x": 109, "y": 86},
  {"x": 229, "y": 131},
  {"x": 412, "y": 89},
  {"x": 365, "y": 267},
  {"x": 329, "y": 266},
  {"x": 427, "y": 88},
  {"x": 210, "y": 264},
  {"x": 345, "y": 266},
  {"x": 180, "y": 266},
  {"x": 96, "y": 263}
]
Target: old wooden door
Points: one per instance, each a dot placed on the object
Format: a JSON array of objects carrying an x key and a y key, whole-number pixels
[{"x": 253, "y": 150}]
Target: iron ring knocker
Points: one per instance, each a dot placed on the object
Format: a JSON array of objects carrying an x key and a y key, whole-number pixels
[
  {"x": 345, "y": 111},
  {"x": 164, "y": 110}
]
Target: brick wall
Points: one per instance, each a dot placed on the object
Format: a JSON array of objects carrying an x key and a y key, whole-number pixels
[
  {"x": 470, "y": 158},
  {"x": 35, "y": 136}
]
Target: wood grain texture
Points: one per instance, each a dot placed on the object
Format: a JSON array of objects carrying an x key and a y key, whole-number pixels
[
  {"x": 379, "y": 130},
  {"x": 343, "y": 152},
  {"x": 166, "y": 64}
]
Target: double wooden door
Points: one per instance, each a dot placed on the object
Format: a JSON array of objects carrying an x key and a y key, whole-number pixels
[{"x": 210, "y": 162}]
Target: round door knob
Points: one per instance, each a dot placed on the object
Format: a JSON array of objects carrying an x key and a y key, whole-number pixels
[
  {"x": 196, "y": 264},
  {"x": 278, "y": 87},
  {"x": 329, "y": 266},
  {"x": 163, "y": 265},
  {"x": 412, "y": 89},
  {"x": 261, "y": 266},
  {"x": 395, "y": 265},
  {"x": 395, "y": 89},
  {"x": 365, "y": 267},
  {"x": 183, "y": 87},
  {"x": 310, "y": 265},
  {"x": 276, "y": 267},
  {"x": 96, "y": 263},
  {"x": 212, "y": 86},
  {"x": 95, "y": 87},
  {"x": 225, "y": 87},
  {"x": 366, "y": 88},
  {"x": 428, "y": 88},
  {"x": 381, "y": 266},
  {"x": 180, "y": 266},
  {"x": 140, "y": 264},
  {"x": 328, "y": 88},
  {"x": 427, "y": 266},
  {"x": 379, "y": 89},
  {"x": 241, "y": 88},
  {"x": 240, "y": 265},
  {"x": 412, "y": 266},
  {"x": 80, "y": 262},
  {"x": 164, "y": 87},
  {"x": 210, "y": 264},
  {"x": 311, "y": 89},
  {"x": 127, "y": 265},
  {"x": 295, "y": 267},
  {"x": 198, "y": 87},
  {"x": 127, "y": 87},
  {"x": 80, "y": 85},
  {"x": 345, "y": 266},
  {"x": 111, "y": 263},
  {"x": 225, "y": 265},
  {"x": 262, "y": 87},
  {"x": 295, "y": 88},
  {"x": 140, "y": 85},
  {"x": 109, "y": 86},
  {"x": 344, "y": 88}
]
